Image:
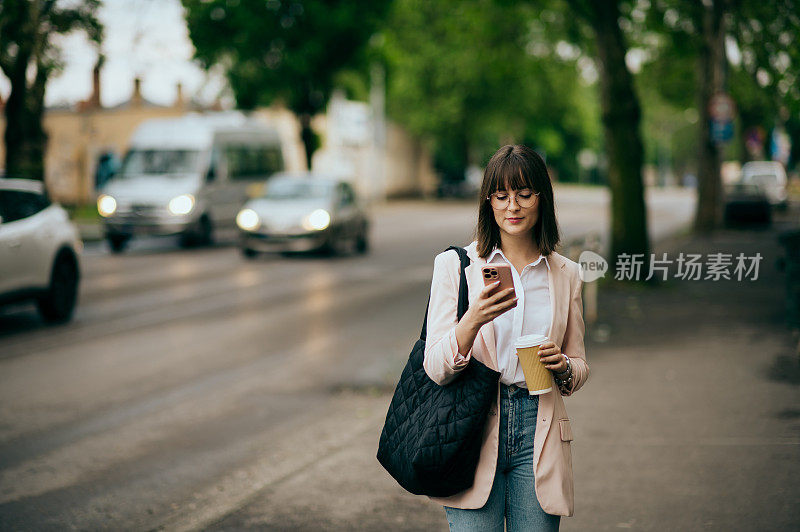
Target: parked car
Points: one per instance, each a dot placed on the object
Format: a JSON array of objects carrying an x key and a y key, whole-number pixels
[
  {"x": 746, "y": 204},
  {"x": 770, "y": 177},
  {"x": 187, "y": 176},
  {"x": 39, "y": 250},
  {"x": 304, "y": 212}
]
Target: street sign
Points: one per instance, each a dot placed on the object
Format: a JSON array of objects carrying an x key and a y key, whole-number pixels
[
  {"x": 721, "y": 107},
  {"x": 721, "y": 131}
]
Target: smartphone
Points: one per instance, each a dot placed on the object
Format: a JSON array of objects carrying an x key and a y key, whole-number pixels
[{"x": 498, "y": 272}]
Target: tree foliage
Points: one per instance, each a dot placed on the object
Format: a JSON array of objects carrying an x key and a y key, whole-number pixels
[
  {"x": 282, "y": 51},
  {"x": 471, "y": 75},
  {"x": 760, "y": 73},
  {"x": 28, "y": 58}
]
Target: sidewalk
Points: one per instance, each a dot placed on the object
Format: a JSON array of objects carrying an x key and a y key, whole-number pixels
[{"x": 690, "y": 419}]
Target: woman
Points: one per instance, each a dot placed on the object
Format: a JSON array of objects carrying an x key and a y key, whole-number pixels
[{"x": 524, "y": 474}]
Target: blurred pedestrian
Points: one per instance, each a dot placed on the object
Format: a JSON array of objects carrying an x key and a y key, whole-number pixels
[{"x": 524, "y": 474}]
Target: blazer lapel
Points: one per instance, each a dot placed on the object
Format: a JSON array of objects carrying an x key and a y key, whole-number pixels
[{"x": 558, "y": 286}]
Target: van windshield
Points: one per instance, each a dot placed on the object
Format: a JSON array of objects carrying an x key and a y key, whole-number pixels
[
  {"x": 298, "y": 190},
  {"x": 159, "y": 162}
]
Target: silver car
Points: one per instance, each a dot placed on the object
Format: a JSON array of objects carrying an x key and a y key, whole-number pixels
[{"x": 304, "y": 212}]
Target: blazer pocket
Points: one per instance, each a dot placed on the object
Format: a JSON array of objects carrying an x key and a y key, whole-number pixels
[{"x": 566, "y": 429}]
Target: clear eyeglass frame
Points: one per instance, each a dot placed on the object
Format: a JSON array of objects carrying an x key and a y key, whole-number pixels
[{"x": 522, "y": 202}]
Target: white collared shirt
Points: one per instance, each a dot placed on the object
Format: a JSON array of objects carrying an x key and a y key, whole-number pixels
[{"x": 532, "y": 315}]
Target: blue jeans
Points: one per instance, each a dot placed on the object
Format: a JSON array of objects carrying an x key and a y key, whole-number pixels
[{"x": 513, "y": 495}]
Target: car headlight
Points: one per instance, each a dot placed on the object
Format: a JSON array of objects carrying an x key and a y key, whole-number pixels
[
  {"x": 317, "y": 220},
  {"x": 248, "y": 220},
  {"x": 182, "y": 204},
  {"x": 106, "y": 205}
]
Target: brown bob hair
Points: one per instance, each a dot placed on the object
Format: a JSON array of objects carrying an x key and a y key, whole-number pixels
[{"x": 517, "y": 167}]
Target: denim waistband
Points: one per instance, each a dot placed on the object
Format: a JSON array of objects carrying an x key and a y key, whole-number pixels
[{"x": 513, "y": 391}]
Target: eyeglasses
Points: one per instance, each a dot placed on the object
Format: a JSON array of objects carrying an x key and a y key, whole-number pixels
[{"x": 524, "y": 198}]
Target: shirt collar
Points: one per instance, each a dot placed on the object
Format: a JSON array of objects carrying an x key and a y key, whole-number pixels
[{"x": 497, "y": 251}]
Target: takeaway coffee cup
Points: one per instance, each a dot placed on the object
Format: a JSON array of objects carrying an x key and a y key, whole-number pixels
[{"x": 537, "y": 376}]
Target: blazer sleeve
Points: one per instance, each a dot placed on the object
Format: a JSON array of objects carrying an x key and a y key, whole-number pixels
[
  {"x": 573, "y": 338},
  {"x": 441, "y": 346}
]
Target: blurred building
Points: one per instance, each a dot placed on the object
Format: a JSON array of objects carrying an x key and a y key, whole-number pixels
[
  {"x": 84, "y": 137},
  {"x": 380, "y": 157}
]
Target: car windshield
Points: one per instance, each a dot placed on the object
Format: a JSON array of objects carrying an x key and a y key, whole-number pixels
[
  {"x": 766, "y": 179},
  {"x": 298, "y": 190},
  {"x": 743, "y": 188},
  {"x": 150, "y": 162}
]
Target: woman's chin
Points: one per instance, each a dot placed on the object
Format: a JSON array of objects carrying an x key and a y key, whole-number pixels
[{"x": 516, "y": 229}]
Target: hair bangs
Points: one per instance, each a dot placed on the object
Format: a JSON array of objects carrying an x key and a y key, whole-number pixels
[{"x": 511, "y": 174}]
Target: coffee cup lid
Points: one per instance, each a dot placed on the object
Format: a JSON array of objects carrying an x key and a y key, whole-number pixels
[{"x": 530, "y": 340}]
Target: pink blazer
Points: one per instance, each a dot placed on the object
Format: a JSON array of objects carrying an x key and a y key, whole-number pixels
[{"x": 552, "y": 456}]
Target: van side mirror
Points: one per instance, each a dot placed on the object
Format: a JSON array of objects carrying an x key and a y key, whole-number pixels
[{"x": 211, "y": 175}]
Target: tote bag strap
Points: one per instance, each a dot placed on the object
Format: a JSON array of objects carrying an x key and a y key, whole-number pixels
[{"x": 463, "y": 292}]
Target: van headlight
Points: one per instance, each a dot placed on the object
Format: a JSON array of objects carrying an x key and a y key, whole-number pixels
[
  {"x": 317, "y": 220},
  {"x": 106, "y": 205},
  {"x": 248, "y": 220},
  {"x": 182, "y": 204}
]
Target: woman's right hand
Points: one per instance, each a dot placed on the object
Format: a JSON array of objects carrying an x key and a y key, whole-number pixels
[{"x": 490, "y": 304}]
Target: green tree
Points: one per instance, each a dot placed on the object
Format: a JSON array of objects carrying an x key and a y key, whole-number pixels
[
  {"x": 288, "y": 51},
  {"x": 621, "y": 118},
  {"x": 762, "y": 81},
  {"x": 470, "y": 75},
  {"x": 28, "y": 58}
]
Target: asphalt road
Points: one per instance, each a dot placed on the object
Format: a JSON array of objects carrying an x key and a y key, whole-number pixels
[{"x": 192, "y": 380}]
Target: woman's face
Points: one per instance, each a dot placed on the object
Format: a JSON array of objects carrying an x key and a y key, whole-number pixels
[{"x": 514, "y": 219}]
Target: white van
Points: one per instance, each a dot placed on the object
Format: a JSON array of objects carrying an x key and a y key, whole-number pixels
[
  {"x": 770, "y": 177},
  {"x": 187, "y": 176}
]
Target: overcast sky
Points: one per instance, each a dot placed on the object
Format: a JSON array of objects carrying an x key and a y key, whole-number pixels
[{"x": 147, "y": 38}]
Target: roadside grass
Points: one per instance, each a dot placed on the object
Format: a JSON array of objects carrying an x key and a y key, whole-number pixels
[{"x": 82, "y": 214}]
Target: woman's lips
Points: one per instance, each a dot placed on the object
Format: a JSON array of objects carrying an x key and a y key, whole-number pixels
[{"x": 514, "y": 220}]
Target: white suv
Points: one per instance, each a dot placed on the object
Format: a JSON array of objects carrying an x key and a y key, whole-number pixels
[
  {"x": 770, "y": 177},
  {"x": 39, "y": 250}
]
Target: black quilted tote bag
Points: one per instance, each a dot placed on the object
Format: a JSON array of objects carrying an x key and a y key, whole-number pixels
[{"x": 431, "y": 440}]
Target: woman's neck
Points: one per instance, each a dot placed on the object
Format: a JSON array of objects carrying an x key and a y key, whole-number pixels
[{"x": 521, "y": 248}]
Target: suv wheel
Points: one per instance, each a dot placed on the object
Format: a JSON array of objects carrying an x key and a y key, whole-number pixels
[{"x": 58, "y": 303}]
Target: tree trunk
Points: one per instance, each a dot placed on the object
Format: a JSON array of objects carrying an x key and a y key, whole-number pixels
[
  {"x": 308, "y": 137},
  {"x": 25, "y": 139},
  {"x": 621, "y": 115},
  {"x": 710, "y": 67}
]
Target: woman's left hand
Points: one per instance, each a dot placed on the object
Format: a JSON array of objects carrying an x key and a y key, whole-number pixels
[{"x": 551, "y": 357}]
